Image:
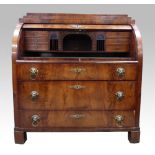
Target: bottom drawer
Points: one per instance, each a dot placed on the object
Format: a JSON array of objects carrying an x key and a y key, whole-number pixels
[{"x": 44, "y": 119}]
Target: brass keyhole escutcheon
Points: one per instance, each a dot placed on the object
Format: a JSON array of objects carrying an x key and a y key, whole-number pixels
[
  {"x": 77, "y": 87},
  {"x": 77, "y": 116},
  {"x": 78, "y": 70}
]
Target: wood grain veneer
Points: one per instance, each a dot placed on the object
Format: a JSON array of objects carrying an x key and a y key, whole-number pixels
[{"x": 98, "y": 92}]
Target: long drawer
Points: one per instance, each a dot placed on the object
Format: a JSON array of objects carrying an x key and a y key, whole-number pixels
[
  {"x": 77, "y": 95},
  {"x": 41, "y": 71},
  {"x": 44, "y": 119}
]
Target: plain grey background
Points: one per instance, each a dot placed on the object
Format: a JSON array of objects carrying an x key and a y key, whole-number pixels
[{"x": 78, "y": 143}]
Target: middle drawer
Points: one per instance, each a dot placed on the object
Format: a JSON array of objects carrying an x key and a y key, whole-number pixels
[{"x": 77, "y": 95}]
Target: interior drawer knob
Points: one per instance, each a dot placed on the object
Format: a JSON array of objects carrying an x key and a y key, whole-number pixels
[
  {"x": 33, "y": 73},
  {"x": 120, "y": 71},
  {"x": 34, "y": 95},
  {"x": 77, "y": 116},
  {"x": 119, "y": 119},
  {"x": 119, "y": 95},
  {"x": 77, "y": 87},
  {"x": 78, "y": 70},
  {"x": 35, "y": 120}
]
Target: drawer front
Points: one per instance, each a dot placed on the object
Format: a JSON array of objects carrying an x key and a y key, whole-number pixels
[
  {"x": 31, "y": 34},
  {"x": 77, "y": 95},
  {"x": 117, "y": 48},
  {"x": 116, "y": 35},
  {"x": 36, "y": 40},
  {"x": 36, "y": 47},
  {"x": 40, "y": 119},
  {"x": 119, "y": 41},
  {"x": 76, "y": 71}
]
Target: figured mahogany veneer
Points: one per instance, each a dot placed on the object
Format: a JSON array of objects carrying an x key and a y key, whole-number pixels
[
  {"x": 76, "y": 72},
  {"x": 87, "y": 119},
  {"x": 99, "y": 95},
  {"x": 68, "y": 71}
]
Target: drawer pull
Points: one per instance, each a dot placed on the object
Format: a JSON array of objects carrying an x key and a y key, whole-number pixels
[
  {"x": 35, "y": 120},
  {"x": 119, "y": 95},
  {"x": 34, "y": 95},
  {"x": 78, "y": 70},
  {"x": 120, "y": 71},
  {"x": 33, "y": 73},
  {"x": 119, "y": 120},
  {"x": 77, "y": 87},
  {"x": 77, "y": 116}
]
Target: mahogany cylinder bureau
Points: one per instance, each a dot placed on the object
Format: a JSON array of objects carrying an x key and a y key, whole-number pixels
[{"x": 76, "y": 72}]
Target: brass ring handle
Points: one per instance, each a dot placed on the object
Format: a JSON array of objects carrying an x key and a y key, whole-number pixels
[
  {"x": 119, "y": 120},
  {"x": 33, "y": 73},
  {"x": 119, "y": 95},
  {"x": 120, "y": 71},
  {"x": 35, "y": 120},
  {"x": 34, "y": 95},
  {"x": 78, "y": 70},
  {"x": 77, "y": 116},
  {"x": 77, "y": 87}
]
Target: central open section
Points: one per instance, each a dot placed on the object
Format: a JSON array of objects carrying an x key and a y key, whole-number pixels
[
  {"x": 77, "y": 42},
  {"x": 80, "y": 43}
]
